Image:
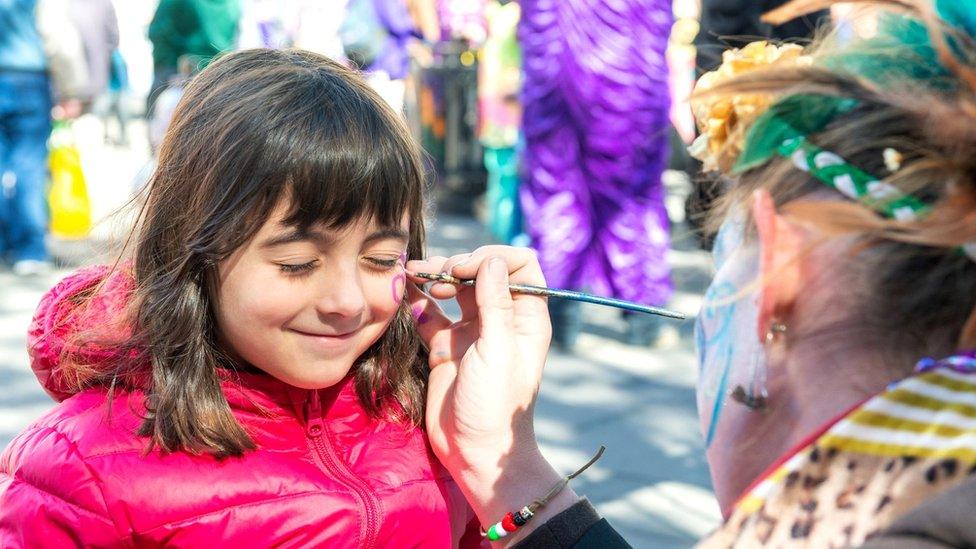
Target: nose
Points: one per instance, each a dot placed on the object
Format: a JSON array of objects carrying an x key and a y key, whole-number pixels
[{"x": 341, "y": 294}]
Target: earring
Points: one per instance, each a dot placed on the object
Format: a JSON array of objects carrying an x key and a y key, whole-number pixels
[{"x": 755, "y": 396}]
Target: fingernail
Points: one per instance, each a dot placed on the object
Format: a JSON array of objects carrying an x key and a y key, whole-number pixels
[
  {"x": 459, "y": 263},
  {"x": 497, "y": 266}
]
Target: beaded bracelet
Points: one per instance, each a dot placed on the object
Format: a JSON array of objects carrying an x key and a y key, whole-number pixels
[{"x": 516, "y": 519}]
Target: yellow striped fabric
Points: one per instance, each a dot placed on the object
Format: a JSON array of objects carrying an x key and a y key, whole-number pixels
[{"x": 932, "y": 415}]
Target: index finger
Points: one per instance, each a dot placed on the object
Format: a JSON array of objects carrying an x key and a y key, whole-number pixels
[{"x": 523, "y": 264}]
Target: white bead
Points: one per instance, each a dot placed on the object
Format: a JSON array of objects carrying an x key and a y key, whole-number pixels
[
  {"x": 827, "y": 158},
  {"x": 904, "y": 213},
  {"x": 500, "y": 530},
  {"x": 799, "y": 158},
  {"x": 845, "y": 184}
]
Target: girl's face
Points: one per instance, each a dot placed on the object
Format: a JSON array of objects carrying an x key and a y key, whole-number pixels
[{"x": 305, "y": 307}]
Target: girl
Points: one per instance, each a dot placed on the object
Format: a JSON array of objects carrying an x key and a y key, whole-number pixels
[{"x": 252, "y": 373}]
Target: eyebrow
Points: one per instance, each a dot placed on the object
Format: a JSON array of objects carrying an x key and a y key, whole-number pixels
[
  {"x": 297, "y": 235},
  {"x": 395, "y": 233}
]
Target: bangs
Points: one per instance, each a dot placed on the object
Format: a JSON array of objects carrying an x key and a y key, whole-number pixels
[
  {"x": 324, "y": 140},
  {"x": 348, "y": 162}
]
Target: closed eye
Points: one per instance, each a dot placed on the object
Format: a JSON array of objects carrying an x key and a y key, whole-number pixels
[
  {"x": 383, "y": 263},
  {"x": 297, "y": 268}
]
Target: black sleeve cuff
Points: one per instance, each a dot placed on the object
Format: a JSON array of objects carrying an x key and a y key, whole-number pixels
[{"x": 578, "y": 526}]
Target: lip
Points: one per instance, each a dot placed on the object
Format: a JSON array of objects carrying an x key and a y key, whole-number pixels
[
  {"x": 327, "y": 340},
  {"x": 344, "y": 336}
]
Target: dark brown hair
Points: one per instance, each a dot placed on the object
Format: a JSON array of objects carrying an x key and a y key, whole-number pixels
[
  {"x": 916, "y": 291},
  {"x": 255, "y": 128}
]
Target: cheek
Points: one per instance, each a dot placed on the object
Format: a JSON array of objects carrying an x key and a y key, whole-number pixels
[
  {"x": 384, "y": 295},
  {"x": 397, "y": 287},
  {"x": 245, "y": 315}
]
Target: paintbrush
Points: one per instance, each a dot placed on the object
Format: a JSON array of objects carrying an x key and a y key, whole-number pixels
[{"x": 563, "y": 294}]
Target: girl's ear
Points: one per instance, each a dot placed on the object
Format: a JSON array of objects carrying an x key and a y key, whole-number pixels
[{"x": 781, "y": 245}]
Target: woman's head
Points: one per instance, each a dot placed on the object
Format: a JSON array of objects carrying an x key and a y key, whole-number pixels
[
  {"x": 908, "y": 125},
  {"x": 889, "y": 113},
  {"x": 286, "y": 199}
]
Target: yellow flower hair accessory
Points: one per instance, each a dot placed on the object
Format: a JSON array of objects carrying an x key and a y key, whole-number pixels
[{"x": 723, "y": 120}]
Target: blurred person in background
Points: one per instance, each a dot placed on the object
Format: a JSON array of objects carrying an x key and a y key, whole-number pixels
[
  {"x": 266, "y": 24},
  {"x": 726, "y": 24},
  {"x": 162, "y": 114},
  {"x": 596, "y": 125},
  {"x": 113, "y": 106},
  {"x": 375, "y": 36},
  {"x": 41, "y": 64},
  {"x": 500, "y": 116},
  {"x": 197, "y": 28},
  {"x": 98, "y": 28}
]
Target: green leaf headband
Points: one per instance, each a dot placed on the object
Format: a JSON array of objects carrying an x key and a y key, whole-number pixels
[
  {"x": 782, "y": 131},
  {"x": 851, "y": 181}
]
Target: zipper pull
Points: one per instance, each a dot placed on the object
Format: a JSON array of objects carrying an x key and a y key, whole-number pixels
[{"x": 313, "y": 415}]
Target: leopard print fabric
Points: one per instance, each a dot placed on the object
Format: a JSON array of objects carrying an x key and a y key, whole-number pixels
[{"x": 873, "y": 466}]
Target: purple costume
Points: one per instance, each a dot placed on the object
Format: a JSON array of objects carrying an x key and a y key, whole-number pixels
[{"x": 596, "y": 127}]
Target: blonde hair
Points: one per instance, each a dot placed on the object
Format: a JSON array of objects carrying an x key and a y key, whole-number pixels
[{"x": 918, "y": 289}]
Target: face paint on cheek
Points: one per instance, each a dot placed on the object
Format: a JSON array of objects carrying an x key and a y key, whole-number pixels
[{"x": 399, "y": 282}]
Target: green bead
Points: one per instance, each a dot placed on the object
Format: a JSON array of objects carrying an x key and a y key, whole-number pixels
[{"x": 493, "y": 534}]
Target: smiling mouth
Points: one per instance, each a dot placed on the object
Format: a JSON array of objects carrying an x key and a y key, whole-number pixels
[{"x": 327, "y": 337}]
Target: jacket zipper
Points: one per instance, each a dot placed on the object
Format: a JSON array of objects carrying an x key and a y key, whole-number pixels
[{"x": 327, "y": 460}]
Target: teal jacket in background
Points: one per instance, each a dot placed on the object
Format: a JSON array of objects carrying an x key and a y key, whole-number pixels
[
  {"x": 199, "y": 28},
  {"x": 21, "y": 48}
]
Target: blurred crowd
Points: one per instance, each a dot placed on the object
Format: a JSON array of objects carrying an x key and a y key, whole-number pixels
[{"x": 555, "y": 120}]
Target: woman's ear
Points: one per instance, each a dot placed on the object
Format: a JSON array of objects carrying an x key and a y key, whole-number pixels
[{"x": 781, "y": 245}]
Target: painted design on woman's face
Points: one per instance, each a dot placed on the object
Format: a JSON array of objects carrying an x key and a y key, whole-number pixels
[{"x": 725, "y": 328}]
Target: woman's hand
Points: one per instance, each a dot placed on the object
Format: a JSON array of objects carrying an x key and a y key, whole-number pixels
[
  {"x": 485, "y": 367},
  {"x": 485, "y": 373}
]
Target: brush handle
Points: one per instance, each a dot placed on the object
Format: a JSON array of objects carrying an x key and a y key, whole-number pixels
[{"x": 562, "y": 294}]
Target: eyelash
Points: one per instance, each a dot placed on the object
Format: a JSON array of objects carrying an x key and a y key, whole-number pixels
[
  {"x": 299, "y": 269},
  {"x": 385, "y": 264},
  {"x": 305, "y": 268}
]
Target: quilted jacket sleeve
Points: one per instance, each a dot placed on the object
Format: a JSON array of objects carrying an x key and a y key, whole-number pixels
[{"x": 49, "y": 497}]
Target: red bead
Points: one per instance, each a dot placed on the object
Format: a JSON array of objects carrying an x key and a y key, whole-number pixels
[{"x": 508, "y": 523}]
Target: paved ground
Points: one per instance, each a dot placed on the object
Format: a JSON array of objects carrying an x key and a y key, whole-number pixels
[{"x": 652, "y": 483}]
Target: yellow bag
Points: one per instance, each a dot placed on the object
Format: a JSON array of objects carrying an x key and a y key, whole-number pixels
[{"x": 68, "y": 195}]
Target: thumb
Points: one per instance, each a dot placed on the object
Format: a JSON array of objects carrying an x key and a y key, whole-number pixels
[{"x": 496, "y": 309}]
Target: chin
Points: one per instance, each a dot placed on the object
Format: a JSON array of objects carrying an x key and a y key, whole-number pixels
[{"x": 317, "y": 377}]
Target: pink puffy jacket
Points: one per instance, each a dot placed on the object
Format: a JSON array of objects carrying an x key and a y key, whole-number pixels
[{"x": 324, "y": 474}]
